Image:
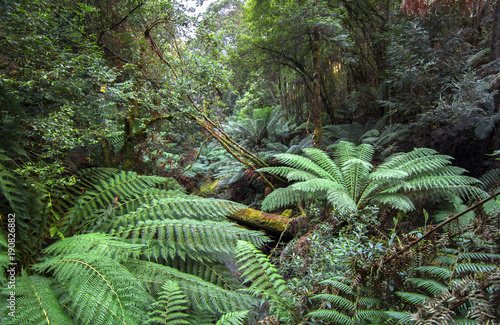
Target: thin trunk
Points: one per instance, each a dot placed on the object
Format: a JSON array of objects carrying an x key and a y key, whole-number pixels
[{"x": 316, "y": 109}]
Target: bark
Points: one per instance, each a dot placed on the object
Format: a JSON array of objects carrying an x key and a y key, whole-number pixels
[
  {"x": 316, "y": 111},
  {"x": 495, "y": 34},
  {"x": 272, "y": 223}
]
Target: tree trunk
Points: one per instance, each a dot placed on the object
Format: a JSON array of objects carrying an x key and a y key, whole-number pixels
[
  {"x": 495, "y": 34},
  {"x": 316, "y": 110},
  {"x": 272, "y": 223}
]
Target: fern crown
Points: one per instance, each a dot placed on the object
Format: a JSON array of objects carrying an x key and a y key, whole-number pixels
[{"x": 349, "y": 181}]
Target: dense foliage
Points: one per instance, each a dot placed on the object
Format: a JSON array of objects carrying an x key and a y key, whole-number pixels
[{"x": 141, "y": 139}]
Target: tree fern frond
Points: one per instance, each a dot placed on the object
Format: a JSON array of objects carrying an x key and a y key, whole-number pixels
[
  {"x": 282, "y": 197},
  {"x": 292, "y": 174},
  {"x": 37, "y": 303},
  {"x": 187, "y": 237},
  {"x": 171, "y": 306},
  {"x": 258, "y": 271},
  {"x": 173, "y": 207},
  {"x": 372, "y": 315},
  {"x": 400, "y": 160},
  {"x": 462, "y": 268},
  {"x": 320, "y": 185},
  {"x": 234, "y": 318},
  {"x": 490, "y": 179},
  {"x": 355, "y": 173},
  {"x": 326, "y": 163},
  {"x": 332, "y": 316},
  {"x": 201, "y": 294},
  {"x": 214, "y": 272},
  {"x": 95, "y": 243},
  {"x": 481, "y": 256},
  {"x": 338, "y": 285},
  {"x": 303, "y": 163},
  {"x": 369, "y": 302},
  {"x": 100, "y": 288},
  {"x": 12, "y": 191},
  {"x": 431, "y": 286},
  {"x": 341, "y": 200},
  {"x": 441, "y": 273},
  {"x": 412, "y": 298},
  {"x": 396, "y": 201},
  {"x": 338, "y": 301},
  {"x": 401, "y": 316}
]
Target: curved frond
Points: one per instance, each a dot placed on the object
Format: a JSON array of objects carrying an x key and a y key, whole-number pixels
[
  {"x": 187, "y": 237},
  {"x": 341, "y": 200},
  {"x": 303, "y": 163},
  {"x": 412, "y": 298},
  {"x": 396, "y": 201},
  {"x": 100, "y": 288},
  {"x": 431, "y": 286},
  {"x": 201, "y": 294},
  {"x": 235, "y": 318},
  {"x": 171, "y": 306},
  {"x": 338, "y": 301},
  {"x": 332, "y": 316},
  {"x": 326, "y": 163},
  {"x": 282, "y": 197},
  {"x": 37, "y": 303}
]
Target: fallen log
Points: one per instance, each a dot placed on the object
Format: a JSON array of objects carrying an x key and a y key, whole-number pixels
[{"x": 272, "y": 223}]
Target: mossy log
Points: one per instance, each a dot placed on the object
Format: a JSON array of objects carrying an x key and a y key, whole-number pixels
[{"x": 272, "y": 223}]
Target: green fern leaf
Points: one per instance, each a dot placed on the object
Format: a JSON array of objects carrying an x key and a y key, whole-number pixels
[
  {"x": 332, "y": 316},
  {"x": 99, "y": 287},
  {"x": 336, "y": 300},
  {"x": 412, "y": 298},
  {"x": 235, "y": 318},
  {"x": 201, "y": 294},
  {"x": 187, "y": 237},
  {"x": 171, "y": 306},
  {"x": 37, "y": 303},
  {"x": 431, "y": 286}
]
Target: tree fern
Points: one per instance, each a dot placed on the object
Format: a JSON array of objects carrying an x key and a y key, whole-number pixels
[
  {"x": 235, "y": 318},
  {"x": 349, "y": 182},
  {"x": 102, "y": 275}
]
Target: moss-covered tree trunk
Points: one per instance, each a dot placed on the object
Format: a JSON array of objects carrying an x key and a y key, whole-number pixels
[{"x": 272, "y": 223}]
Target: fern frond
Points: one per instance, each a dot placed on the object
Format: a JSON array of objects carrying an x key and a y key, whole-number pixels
[
  {"x": 171, "y": 306},
  {"x": 303, "y": 163},
  {"x": 292, "y": 174},
  {"x": 431, "y": 286},
  {"x": 338, "y": 285},
  {"x": 258, "y": 271},
  {"x": 340, "y": 199},
  {"x": 187, "y": 237},
  {"x": 397, "y": 201},
  {"x": 338, "y": 301},
  {"x": 235, "y": 318},
  {"x": 442, "y": 273},
  {"x": 201, "y": 294},
  {"x": 332, "y": 316},
  {"x": 173, "y": 207},
  {"x": 326, "y": 163},
  {"x": 37, "y": 303},
  {"x": 95, "y": 243},
  {"x": 490, "y": 179},
  {"x": 282, "y": 197},
  {"x": 412, "y": 298},
  {"x": 12, "y": 191},
  {"x": 214, "y": 272},
  {"x": 100, "y": 288},
  {"x": 462, "y": 268},
  {"x": 374, "y": 316},
  {"x": 402, "y": 317}
]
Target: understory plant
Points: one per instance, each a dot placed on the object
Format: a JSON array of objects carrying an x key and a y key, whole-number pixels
[
  {"x": 129, "y": 243},
  {"x": 350, "y": 181}
]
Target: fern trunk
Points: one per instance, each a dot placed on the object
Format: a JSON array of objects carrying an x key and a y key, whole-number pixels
[{"x": 272, "y": 223}]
